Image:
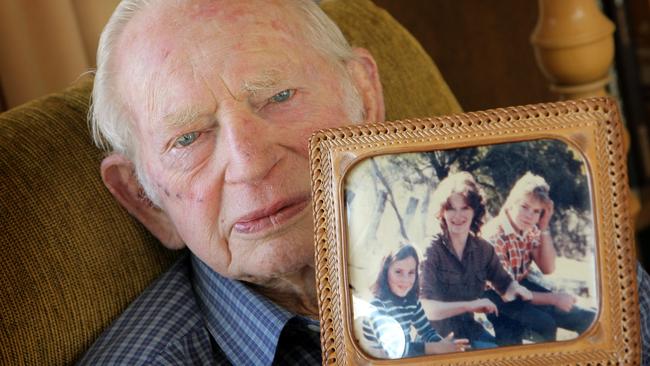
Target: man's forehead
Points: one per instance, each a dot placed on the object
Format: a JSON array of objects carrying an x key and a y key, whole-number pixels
[
  {"x": 158, "y": 46},
  {"x": 233, "y": 10},
  {"x": 168, "y": 26},
  {"x": 180, "y": 14}
]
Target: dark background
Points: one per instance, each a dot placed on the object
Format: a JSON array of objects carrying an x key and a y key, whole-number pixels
[{"x": 483, "y": 51}]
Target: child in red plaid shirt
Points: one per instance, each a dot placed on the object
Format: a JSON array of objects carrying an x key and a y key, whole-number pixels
[{"x": 520, "y": 235}]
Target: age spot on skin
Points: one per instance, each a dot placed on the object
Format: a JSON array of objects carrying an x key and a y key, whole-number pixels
[
  {"x": 179, "y": 196},
  {"x": 205, "y": 11},
  {"x": 167, "y": 192},
  {"x": 214, "y": 9},
  {"x": 279, "y": 26}
]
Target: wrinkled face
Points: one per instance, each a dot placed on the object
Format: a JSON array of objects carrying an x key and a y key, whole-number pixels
[
  {"x": 401, "y": 276},
  {"x": 225, "y": 97},
  {"x": 458, "y": 215},
  {"x": 526, "y": 212}
]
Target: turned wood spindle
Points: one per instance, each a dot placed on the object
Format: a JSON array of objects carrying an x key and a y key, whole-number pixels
[{"x": 574, "y": 47}]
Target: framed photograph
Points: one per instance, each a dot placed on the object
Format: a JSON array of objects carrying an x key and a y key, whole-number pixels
[{"x": 495, "y": 237}]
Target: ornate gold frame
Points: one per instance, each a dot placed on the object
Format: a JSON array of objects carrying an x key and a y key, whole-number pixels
[{"x": 592, "y": 126}]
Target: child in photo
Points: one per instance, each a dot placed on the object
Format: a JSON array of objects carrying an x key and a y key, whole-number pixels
[
  {"x": 398, "y": 311},
  {"x": 520, "y": 235}
]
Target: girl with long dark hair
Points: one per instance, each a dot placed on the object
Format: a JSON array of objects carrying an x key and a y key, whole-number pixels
[{"x": 397, "y": 310}]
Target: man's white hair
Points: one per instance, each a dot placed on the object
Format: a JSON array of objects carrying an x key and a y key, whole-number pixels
[{"x": 110, "y": 119}]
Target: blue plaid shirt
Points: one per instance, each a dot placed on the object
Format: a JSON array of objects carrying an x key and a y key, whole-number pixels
[
  {"x": 193, "y": 316},
  {"x": 643, "y": 281}
]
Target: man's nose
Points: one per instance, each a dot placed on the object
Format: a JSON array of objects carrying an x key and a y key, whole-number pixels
[{"x": 250, "y": 152}]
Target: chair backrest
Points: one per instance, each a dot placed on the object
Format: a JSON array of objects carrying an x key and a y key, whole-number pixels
[{"x": 74, "y": 259}]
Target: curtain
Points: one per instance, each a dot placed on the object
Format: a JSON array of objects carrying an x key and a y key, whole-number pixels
[{"x": 46, "y": 45}]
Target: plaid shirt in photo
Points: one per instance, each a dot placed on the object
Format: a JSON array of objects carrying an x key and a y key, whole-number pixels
[{"x": 514, "y": 249}]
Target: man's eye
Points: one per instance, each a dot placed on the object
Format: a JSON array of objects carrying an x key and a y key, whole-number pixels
[
  {"x": 282, "y": 96},
  {"x": 186, "y": 139}
]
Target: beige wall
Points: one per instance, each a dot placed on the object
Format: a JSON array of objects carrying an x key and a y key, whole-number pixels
[{"x": 45, "y": 45}]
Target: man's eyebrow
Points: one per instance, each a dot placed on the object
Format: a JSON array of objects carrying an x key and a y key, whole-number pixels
[
  {"x": 269, "y": 79},
  {"x": 181, "y": 119}
]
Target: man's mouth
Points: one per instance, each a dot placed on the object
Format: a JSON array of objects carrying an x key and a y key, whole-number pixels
[{"x": 271, "y": 217}]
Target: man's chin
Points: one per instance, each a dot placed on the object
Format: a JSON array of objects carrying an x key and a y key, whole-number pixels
[
  {"x": 278, "y": 277},
  {"x": 279, "y": 255},
  {"x": 275, "y": 263}
]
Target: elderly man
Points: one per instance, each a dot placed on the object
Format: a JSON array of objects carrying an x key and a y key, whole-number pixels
[{"x": 207, "y": 107}]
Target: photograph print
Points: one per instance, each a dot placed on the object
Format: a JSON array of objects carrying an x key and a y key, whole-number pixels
[{"x": 470, "y": 248}]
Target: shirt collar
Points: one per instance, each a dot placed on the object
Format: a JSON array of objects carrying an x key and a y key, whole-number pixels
[
  {"x": 470, "y": 245},
  {"x": 508, "y": 229},
  {"x": 245, "y": 324}
]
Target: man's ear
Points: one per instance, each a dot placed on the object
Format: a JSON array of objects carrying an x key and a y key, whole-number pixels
[
  {"x": 365, "y": 76},
  {"x": 118, "y": 174}
]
